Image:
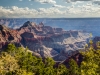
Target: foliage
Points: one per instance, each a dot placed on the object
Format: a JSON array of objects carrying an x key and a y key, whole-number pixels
[
  {"x": 7, "y": 63},
  {"x": 74, "y": 69},
  {"x": 20, "y": 61},
  {"x": 62, "y": 70},
  {"x": 90, "y": 64}
]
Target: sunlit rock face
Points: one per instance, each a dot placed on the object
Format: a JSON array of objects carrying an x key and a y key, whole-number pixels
[
  {"x": 44, "y": 40},
  {"x": 52, "y": 42},
  {"x": 9, "y": 36}
]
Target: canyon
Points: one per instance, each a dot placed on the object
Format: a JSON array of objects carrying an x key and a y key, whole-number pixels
[{"x": 44, "y": 41}]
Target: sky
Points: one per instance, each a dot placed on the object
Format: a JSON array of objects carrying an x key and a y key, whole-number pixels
[{"x": 49, "y": 8}]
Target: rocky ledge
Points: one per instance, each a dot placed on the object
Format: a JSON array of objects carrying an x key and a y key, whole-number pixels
[{"x": 44, "y": 40}]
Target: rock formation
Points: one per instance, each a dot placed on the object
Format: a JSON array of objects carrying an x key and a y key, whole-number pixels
[
  {"x": 9, "y": 36},
  {"x": 53, "y": 42},
  {"x": 45, "y": 40}
]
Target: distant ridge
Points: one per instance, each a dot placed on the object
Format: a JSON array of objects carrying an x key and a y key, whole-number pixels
[{"x": 90, "y": 25}]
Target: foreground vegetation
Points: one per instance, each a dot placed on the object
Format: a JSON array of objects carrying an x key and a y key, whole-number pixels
[{"x": 19, "y": 61}]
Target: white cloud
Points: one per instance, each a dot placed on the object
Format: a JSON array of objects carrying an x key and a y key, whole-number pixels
[
  {"x": 68, "y": 1},
  {"x": 16, "y": 12},
  {"x": 78, "y": 1},
  {"x": 45, "y": 1},
  {"x": 50, "y": 12},
  {"x": 87, "y": 10},
  {"x": 58, "y": 6},
  {"x": 81, "y": 1}
]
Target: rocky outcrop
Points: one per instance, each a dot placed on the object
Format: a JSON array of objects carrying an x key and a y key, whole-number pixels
[
  {"x": 78, "y": 57},
  {"x": 45, "y": 40},
  {"x": 96, "y": 39},
  {"x": 52, "y": 42},
  {"x": 8, "y": 36}
]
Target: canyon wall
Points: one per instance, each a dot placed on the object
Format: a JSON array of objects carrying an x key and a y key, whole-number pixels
[{"x": 44, "y": 40}]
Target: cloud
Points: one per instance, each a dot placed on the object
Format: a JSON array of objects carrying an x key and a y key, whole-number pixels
[
  {"x": 81, "y": 1},
  {"x": 58, "y": 6},
  {"x": 96, "y": 2},
  {"x": 50, "y": 12},
  {"x": 86, "y": 10},
  {"x": 45, "y": 1},
  {"x": 69, "y": 1},
  {"x": 92, "y": 1},
  {"x": 16, "y": 12}
]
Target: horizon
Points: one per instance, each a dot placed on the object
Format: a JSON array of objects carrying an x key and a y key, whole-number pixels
[
  {"x": 57, "y": 18},
  {"x": 91, "y": 25}
]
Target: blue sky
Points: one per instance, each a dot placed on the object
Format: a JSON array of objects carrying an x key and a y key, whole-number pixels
[{"x": 49, "y": 8}]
